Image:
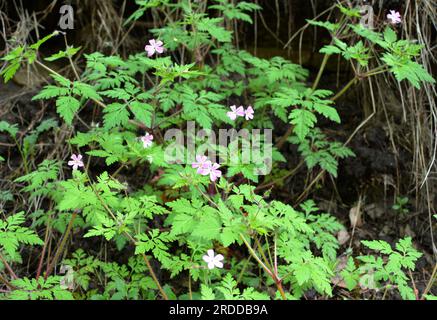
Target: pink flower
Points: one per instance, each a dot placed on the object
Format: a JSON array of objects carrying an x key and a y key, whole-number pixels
[
  {"x": 213, "y": 260},
  {"x": 201, "y": 164},
  {"x": 394, "y": 17},
  {"x": 206, "y": 167},
  {"x": 76, "y": 161},
  {"x": 154, "y": 46},
  {"x": 214, "y": 173},
  {"x": 147, "y": 140},
  {"x": 249, "y": 113},
  {"x": 210, "y": 169},
  {"x": 236, "y": 112}
]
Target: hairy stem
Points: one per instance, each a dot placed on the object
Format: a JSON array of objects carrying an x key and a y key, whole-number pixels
[
  {"x": 8, "y": 267},
  {"x": 273, "y": 275}
]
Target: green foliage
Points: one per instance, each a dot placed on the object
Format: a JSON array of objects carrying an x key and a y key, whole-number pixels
[
  {"x": 237, "y": 11},
  {"x": 12, "y": 234},
  {"x": 119, "y": 281},
  {"x": 317, "y": 150},
  {"x": 312, "y": 102},
  {"x": 390, "y": 270},
  {"x": 40, "y": 181},
  {"x": 21, "y": 54},
  {"x": 227, "y": 290},
  {"x": 164, "y": 217},
  {"x": 401, "y": 205},
  {"x": 399, "y": 56},
  {"x": 11, "y": 129},
  {"x": 41, "y": 289},
  {"x": 68, "y": 53}
]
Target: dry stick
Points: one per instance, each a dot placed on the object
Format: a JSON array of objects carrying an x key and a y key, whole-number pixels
[
  {"x": 123, "y": 38},
  {"x": 60, "y": 249},
  {"x": 307, "y": 25},
  {"x": 430, "y": 282},
  {"x": 434, "y": 249},
  {"x": 267, "y": 27}
]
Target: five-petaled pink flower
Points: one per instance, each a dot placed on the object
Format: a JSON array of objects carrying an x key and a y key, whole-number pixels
[
  {"x": 394, "y": 17},
  {"x": 206, "y": 167},
  {"x": 154, "y": 46},
  {"x": 76, "y": 161},
  {"x": 213, "y": 260},
  {"x": 249, "y": 113},
  {"x": 147, "y": 140},
  {"x": 214, "y": 173},
  {"x": 235, "y": 112},
  {"x": 202, "y": 163}
]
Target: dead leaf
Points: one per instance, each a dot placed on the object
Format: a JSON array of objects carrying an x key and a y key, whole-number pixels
[
  {"x": 375, "y": 210},
  {"x": 355, "y": 216},
  {"x": 343, "y": 237}
]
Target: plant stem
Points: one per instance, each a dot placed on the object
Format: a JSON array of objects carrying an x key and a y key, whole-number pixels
[
  {"x": 7, "y": 283},
  {"x": 345, "y": 88},
  {"x": 20, "y": 150},
  {"x": 129, "y": 236},
  {"x": 416, "y": 292},
  {"x": 61, "y": 245},
  {"x": 430, "y": 282},
  {"x": 284, "y": 138},
  {"x": 8, "y": 267},
  {"x": 263, "y": 255},
  {"x": 246, "y": 263},
  {"x": 319, "y": 74},
  {"x": 274, "y": 276},
  {"x": 41, "y": 260},
  {"x": 253, "y": 253},
  {"x": 155, "y": 278}
]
